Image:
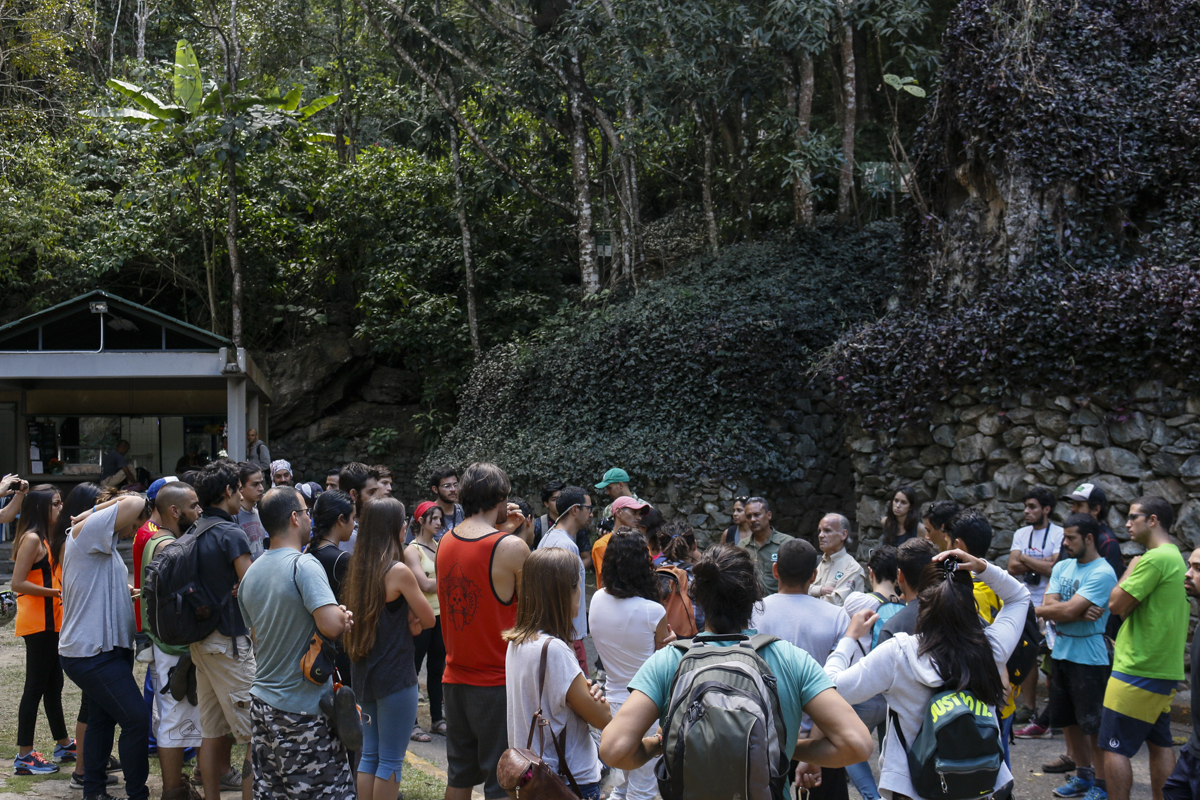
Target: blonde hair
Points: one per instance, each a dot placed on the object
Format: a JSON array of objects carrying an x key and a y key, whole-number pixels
[{"x": 547, "y": 582}]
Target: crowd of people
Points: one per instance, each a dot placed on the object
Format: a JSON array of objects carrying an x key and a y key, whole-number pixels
[{"x": 319, "y": 605}]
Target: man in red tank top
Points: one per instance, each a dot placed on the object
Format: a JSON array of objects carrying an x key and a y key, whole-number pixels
[{"x": 478, "y": 564}]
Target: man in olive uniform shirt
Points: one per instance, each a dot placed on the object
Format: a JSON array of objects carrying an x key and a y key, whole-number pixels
[{"x": 763, "y": 542}]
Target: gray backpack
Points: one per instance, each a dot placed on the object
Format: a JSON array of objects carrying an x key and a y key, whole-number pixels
[{"x": 724, "y": 733}]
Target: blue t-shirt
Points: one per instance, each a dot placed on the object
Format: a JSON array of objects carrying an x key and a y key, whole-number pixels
[
  {"x": 281, "y": 616},
  {"x": 800, "y": 680},
  {"x": 1082, "y": 642}
]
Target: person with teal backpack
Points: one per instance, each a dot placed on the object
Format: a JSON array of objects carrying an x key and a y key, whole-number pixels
[
  {"x": 942, "y": 684},
  {"x": 726, "y": 689}
]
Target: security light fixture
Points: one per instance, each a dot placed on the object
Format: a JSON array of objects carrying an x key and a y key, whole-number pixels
[{"x": 98, "y": 308}]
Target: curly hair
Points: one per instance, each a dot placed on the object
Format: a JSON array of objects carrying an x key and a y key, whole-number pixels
[{"x": 627, "y": 569}]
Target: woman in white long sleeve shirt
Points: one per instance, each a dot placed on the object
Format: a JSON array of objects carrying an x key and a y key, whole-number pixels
[{"x": 950, "y": 649}]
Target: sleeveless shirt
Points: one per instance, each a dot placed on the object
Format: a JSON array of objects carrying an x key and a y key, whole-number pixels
[
  {"x": 472, "y": 615},
  {"x": 429, "y": 567},
  {"x": 36, "y": 614},
  {"x": 391, "y": 664}
]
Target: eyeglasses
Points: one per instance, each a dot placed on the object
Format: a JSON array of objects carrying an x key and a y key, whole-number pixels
[
  {"x": 586, "y": 508},
  {"x": 303, "y": 511},
  {"x": 1132, "y": 517}
]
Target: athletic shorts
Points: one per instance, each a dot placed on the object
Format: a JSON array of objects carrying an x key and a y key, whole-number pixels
[
  {"x": 223, "y": 682},
  {"x": 1077, "y": 694},
  {"x": 476, "y": 736},
  {"x": 1136, "y": 710},
  {"x": 297, "y": 756},
  {"x": 178, "y": 721},
  {"x": 1184, "y": 783}
]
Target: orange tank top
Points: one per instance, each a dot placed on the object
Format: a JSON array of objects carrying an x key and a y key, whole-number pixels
[
  {"x": 36, "y": 614},
  {"x": 472, "y": 615}
]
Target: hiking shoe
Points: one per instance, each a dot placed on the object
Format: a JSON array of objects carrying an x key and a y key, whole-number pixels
[
  {"x": 1063, "y": 763},
  {"x": 231, "y": 781},
  {"x": 65, "y": 755},
  {"x": 1096, "y": 793},
  {"x": 77, "y": 780},
  {"x": 1074, "y": 787},
  {"x": 33, "y": 764},
  {"x": 1032, "y": 731}
]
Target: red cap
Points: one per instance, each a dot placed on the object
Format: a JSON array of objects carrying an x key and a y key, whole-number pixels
[{"x": 628, "y": 502}]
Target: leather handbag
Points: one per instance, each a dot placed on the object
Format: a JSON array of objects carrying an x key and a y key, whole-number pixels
[{"x": 523, "y": 771}]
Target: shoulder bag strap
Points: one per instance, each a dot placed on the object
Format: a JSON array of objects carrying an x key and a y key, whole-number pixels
[{"x": 896, "y": 725}]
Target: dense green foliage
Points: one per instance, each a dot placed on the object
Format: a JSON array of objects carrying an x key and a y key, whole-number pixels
[
  {"x": 680, "y": 379},
  {"x": 1084, "y": 119}
]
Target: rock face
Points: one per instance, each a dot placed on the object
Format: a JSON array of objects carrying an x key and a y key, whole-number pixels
[
  {"x": 330, "y": 397},
  {"x": 988, "y": 451}
]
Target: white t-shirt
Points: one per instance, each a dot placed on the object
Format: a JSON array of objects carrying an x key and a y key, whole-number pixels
[
  {"x": 521, "y": 684},
  {"x": 97, "y": 610},
  {"x": 557, "y": 537},
  {"x": 623, "y": 632},
  {"x": 1042, "y": 543}
]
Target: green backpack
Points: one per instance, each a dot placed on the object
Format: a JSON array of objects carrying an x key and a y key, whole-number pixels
[{"x": 957, "y": 753}]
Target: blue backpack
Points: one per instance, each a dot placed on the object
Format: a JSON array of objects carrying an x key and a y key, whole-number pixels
[{"x": 886, "y": 611}]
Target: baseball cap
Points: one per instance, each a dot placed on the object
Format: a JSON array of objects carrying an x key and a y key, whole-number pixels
[
  {"x": 614, "y": 475},
  {"x": 152, "y": 492},
  {"x": 629, "y": 502},
  {"x": 1087, "y": 493}
]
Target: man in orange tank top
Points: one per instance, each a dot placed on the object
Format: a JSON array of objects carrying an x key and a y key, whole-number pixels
[{"x": 478, "y": 565}]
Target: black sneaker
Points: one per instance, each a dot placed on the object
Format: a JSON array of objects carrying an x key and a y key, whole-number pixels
[
  {"x": 113, "y": 764},
  {"x": 77, "y": 780}
]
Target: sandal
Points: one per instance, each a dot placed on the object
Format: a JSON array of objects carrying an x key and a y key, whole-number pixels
[
  {"x": 439, "y": 727},
  {"x": 419, "y": 735}
]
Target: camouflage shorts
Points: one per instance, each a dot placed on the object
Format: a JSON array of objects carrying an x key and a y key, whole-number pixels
[{"x": 297, "y": 756}]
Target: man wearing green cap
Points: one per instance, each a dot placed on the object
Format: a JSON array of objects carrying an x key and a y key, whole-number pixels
[{"x": 615, "y": 483}]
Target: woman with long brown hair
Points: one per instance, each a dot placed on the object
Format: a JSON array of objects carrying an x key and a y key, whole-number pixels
[
  {"x": 38, "y": 586},
  {"x": 546, "y": 602},
  {"x": 380, "y": 590}
]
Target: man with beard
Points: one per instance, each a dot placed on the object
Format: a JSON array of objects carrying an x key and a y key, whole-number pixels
[
  {"x": 763, "y": 542},
  {"x": 1076, "y": 601},
  {"x": 1035, "y": 548},
  {"x": 1184, "y": 783}
]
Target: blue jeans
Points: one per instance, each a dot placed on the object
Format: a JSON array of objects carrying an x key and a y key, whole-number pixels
[
  {"x": 863, "y": 780},
  {"x": 113, "y": 699},
  {"x": 385, "y": 733},
  {"x": 1005, "y": 737},
  {"x": 589, "y": 791}
]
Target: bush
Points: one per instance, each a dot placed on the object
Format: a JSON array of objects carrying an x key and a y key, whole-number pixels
[{"x": 680, "y": 379}]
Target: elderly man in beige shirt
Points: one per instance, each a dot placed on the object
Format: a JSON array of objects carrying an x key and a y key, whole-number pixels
[{"x": 838, "y": 574}]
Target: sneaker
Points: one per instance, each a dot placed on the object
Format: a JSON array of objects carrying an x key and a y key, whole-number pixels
[
  {"x": 33, "y": 764},
  {"x": 1096, "y": 793},
  {"x": 65, "y": 755},
  {"x": 231, "y": 781},
  {"x": 113, "y": 764},
  {"x": 1074, "y": 787},
  {"x": 1063, "y": 763},
  {"x": 1032, "y": 731},
  {"x": 1023, "y": 716},
  {"x": 77, "y": 780}
]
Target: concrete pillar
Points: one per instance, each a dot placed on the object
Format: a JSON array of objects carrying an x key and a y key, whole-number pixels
[
  {"x": 252, "y": 416},
  {"x": 235, "y": 418}
]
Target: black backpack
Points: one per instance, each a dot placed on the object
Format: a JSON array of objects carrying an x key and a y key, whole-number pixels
[
  {"x": 179, "y": 609},
  {"x": 957, "y": 753},
  {"x": 1025, "y": 658}
]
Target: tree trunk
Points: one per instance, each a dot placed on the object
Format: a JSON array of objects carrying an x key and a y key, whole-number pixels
[
  {"x": 845, "y": 213},
  {"x": 460, "y": 202},
  {"x": 589, "y": 266},
  {"x": 710, "y": 214},
  {"x": 802, "y": 185}
]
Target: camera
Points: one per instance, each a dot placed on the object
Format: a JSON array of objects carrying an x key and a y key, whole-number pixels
[{"x": 1031, "y": 578}]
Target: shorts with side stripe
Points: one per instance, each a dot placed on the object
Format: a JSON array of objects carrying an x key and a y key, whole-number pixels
[{"x": 1136, "y": 710}]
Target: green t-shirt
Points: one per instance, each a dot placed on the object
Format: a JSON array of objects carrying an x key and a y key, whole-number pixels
[
  {"x": 1153, "y": 637},
  {"x": 800, "y": 680}
]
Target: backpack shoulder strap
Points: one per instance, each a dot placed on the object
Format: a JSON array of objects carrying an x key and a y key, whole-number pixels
[
  {"x": 896, "y": 726},
  {"x": 878, "y": 597},
  {"x": 760, "y": 640}
]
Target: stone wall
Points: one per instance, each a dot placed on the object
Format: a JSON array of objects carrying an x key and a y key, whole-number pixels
[{"x": 1141, "y": 439}]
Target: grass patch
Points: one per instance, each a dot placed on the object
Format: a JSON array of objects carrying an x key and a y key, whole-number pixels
[{"x": 416, "y": 785}]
